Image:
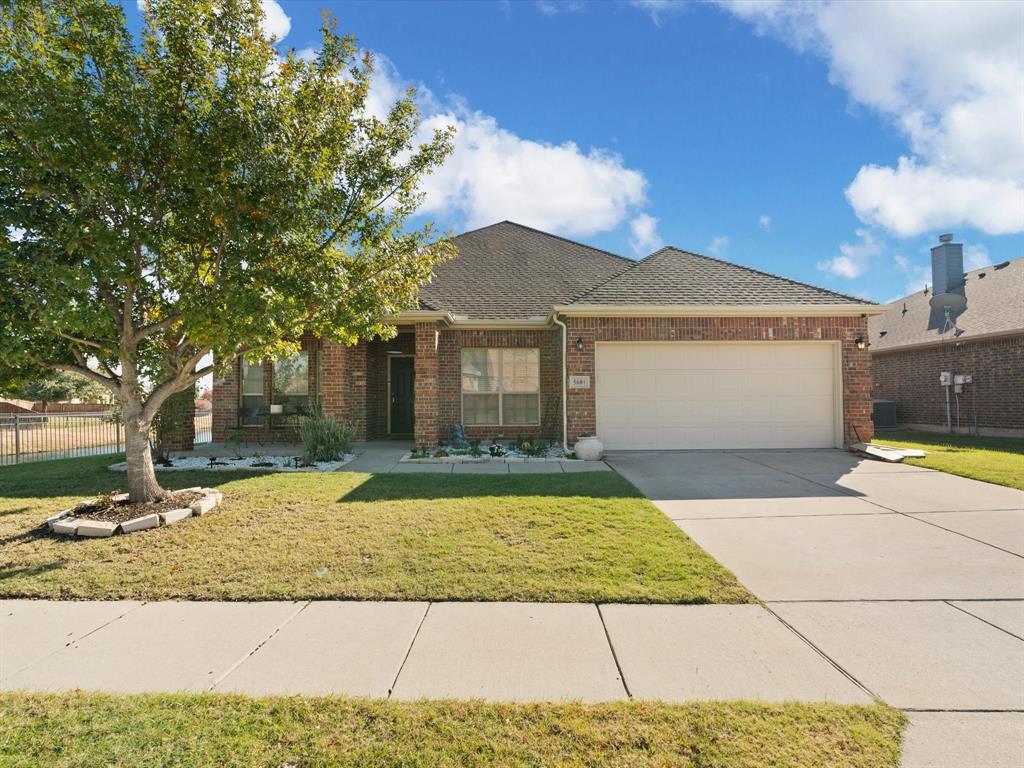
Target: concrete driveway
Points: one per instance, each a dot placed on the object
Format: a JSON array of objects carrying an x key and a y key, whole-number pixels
[{"x": 909, "y": 580}]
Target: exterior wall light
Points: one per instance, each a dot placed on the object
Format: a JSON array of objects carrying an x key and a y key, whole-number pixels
[
  {"x": 860, "y": 342},
  {"x": 579, "y": 343}
]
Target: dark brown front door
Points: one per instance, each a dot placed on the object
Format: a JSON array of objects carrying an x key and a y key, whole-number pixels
[{"x": 402, "y": 394}]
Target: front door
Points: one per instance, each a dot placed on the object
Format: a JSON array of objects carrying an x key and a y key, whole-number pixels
[{"x": 401, "y": 391}]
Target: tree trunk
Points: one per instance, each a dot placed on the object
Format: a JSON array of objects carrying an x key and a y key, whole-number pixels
[{"x": 142, "y": 484}]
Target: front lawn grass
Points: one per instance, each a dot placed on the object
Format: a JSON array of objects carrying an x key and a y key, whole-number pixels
[
  {"x": 82, "y": 730},
  {"x": 992, "y": 459},
  {"x": 342, "y": 535}
]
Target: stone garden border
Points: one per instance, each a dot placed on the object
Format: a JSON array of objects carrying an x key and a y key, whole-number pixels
[
  {"x": 332, "y": 466},
  {"x": 66, "y": 524}
]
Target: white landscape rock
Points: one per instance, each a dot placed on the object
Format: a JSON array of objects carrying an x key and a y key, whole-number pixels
[
  {"x": 66, "y": 526},
  {"x": 175, "y": 515},
  {"x": 96, "y": 528},
  {"x": 141, "y": 523},
  {"x": 59, "y": 516}
]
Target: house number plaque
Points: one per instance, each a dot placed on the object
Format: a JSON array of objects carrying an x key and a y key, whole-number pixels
[{"x": 579, "y": 382}]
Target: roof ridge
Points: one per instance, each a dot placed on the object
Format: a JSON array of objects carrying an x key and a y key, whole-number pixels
[
  {"x": 549, "y": 234},
  {"x": 762, "y": 272},
  {"x": 633, "y": 263}
]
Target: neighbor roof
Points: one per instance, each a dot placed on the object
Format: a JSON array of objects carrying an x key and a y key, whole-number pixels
[
  {"x": 671, "y": 276},
  {"x": 508, "y": 271},
  {"x": 995, "y": 305}
]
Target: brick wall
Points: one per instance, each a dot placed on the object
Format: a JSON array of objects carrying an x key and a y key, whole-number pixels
[
  {"x": 179, "y": 410},
  {"x": 994, "y": 401},
  {"x": 549, "y": 342},
  {"x": 856, "y": 363},
  {"x": 426, "y": 371},
  {"x": 226, "y": 389}
]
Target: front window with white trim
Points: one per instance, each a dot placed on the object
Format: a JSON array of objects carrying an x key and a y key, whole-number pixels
[{"x": 500, "y": 387}]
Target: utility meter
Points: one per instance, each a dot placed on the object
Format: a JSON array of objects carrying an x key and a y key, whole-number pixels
[{"x": 946, "y": 378}]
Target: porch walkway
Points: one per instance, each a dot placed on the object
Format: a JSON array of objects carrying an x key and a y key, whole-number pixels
[{"x": 382, "y": 456}]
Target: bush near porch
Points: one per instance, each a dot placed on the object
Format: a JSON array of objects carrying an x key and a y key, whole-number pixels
[{"x": 344, "y": 535}]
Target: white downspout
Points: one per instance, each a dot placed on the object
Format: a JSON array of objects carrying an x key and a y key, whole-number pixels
[{"x": 565, "y": 363}]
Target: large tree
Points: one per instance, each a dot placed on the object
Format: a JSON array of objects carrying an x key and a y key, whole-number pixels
[{"x": 192, "y": 192}]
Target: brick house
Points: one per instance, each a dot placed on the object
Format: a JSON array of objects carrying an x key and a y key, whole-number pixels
[
  {"x": 970, "y": 325},
  {"x": 676, "y": 350}
]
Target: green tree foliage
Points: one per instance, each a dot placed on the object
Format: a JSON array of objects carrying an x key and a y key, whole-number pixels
[
  {"x": 60, "y": 385},
  {"x": 192, "y": 192}
]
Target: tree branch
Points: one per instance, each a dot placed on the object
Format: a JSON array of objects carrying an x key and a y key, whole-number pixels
[{"x": 89, "y": 374}]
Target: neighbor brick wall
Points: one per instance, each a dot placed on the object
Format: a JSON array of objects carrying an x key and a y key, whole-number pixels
[
  {"x": 995, "y": 399},
  {"x": 548, "y": 342},
  {"x": 856, "y": 363}
]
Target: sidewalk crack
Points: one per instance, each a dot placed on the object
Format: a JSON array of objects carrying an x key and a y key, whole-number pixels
[
  {"x": 615, "y": 656},
  {"x": 408, "y": 650},
  {"x": 259, "y": 645}
]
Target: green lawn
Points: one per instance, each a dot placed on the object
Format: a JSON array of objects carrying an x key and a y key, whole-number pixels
[
  {"x": 570, "y": 537},
  {"x": 992, "y": 459},
  {"x": 83, "y": 730}
]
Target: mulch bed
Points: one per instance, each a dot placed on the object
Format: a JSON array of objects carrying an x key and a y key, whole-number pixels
[{"x": 110, "y": 511}]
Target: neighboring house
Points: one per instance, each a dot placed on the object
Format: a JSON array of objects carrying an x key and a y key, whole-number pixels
[
  {"x": 676, "y": 350},
  {"x": 981, "y": 337}
]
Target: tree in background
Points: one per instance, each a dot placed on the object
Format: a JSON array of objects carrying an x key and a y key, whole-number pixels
[
  {"x": 60, "y": 385},
  {"x": 193, "y": 193}
]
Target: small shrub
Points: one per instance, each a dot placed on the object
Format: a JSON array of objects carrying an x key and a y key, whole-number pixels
[
  {"x": 440, "y": 453},
  {"x": 235, "y": 439},
  {"x": 324, "y": 438},
  {"x": 474, "y": 448}
]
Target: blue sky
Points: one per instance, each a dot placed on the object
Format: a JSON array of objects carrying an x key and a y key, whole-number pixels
[{"x": 768, "y": 134}]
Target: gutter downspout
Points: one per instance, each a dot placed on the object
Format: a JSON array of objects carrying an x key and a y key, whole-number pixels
[{"x": 565, "y": 363}]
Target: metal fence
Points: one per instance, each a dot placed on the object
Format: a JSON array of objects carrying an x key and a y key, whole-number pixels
[
  {"x": 38, "y": 436},
  {"x": 204, "y": 426}
]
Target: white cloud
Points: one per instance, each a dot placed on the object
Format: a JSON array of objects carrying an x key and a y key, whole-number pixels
[
  {"x": 718, "y": 245},
  {"x": 854, "y": 258},
  {"x": 976, "y": 257},
  {"x": 645, "y": 238},
  {"x": 764, "y": 221},
  {"x": 494, "y": 174},
  {"x": 276, "y": 23},
  {"x": 657, "y": 7},
  {"x": 552, "y": 7},
  {"x": 917, "y": 275},
  {"x": 950, "y": 76}
]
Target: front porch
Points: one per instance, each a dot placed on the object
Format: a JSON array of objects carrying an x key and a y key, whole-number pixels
[{"x": 368, "y": 386}]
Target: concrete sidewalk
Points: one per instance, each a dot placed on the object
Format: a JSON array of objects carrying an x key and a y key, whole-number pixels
[{"x": 408, "y": 650}]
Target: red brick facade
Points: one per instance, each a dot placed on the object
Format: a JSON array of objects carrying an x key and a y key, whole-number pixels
[
  {"x": 856, "y": 363},
  {"x": 993, "y": 402},
  {"x": 351, "y": 382}
]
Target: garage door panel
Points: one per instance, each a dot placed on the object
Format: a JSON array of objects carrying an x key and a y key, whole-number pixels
[{"x": 709, "y": 395}]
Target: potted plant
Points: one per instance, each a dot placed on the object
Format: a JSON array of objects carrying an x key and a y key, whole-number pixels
[{"x": 589, "y": 447}]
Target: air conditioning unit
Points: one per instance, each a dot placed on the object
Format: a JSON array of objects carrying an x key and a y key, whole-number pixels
[{"x": 884, "y": 413}]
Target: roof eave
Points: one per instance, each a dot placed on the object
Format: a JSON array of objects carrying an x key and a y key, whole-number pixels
[{"x": 718, "y": 310}]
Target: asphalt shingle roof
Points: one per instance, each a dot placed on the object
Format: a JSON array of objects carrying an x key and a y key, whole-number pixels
[
  {"x": 995, "y": 304},
  {"x": 671, "y": 276},
  {"x": 508, "y": 271}
]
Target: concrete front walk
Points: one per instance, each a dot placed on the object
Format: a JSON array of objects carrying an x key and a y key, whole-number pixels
[
  {"x": 496, "y": 651},
  {"x": 909, "y": 580},
  {"x": 383, "y": 457}
]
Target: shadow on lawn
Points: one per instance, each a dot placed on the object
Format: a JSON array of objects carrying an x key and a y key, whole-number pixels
[
  {"x": 392, "y": 487},
  {"x": 89, "y": 477}
]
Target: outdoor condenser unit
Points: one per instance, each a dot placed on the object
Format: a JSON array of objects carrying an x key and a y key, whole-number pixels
[{"x": 884, "y": 413}]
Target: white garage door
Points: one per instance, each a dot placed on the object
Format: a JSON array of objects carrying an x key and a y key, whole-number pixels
[{"x": 709, "y": 395}]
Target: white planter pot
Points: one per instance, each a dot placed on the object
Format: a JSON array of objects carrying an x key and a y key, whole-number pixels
[{"x": 589, "y": 449}]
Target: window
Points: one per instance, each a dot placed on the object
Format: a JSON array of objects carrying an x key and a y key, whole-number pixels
[
  {"x": 291, "y": 384},
  {"x": 500, "y": 386},
  {"x": 252, "y": 393}
]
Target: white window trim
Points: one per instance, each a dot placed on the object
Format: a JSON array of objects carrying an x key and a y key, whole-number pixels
[{"x": 500, "y": 393}]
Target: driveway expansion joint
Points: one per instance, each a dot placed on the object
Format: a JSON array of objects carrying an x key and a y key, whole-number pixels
[{"x": 952, "y": 604}]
